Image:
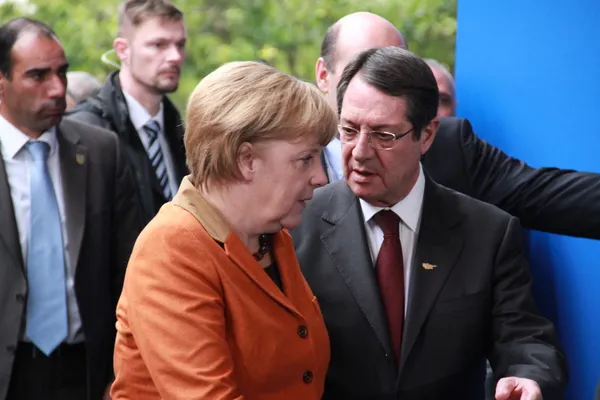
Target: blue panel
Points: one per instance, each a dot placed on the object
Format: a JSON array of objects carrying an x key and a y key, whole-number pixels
[{"x": 528, "y": 77}]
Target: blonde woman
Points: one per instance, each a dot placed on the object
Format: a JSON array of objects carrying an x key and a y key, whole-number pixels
[{"x": 214, "y": 305}]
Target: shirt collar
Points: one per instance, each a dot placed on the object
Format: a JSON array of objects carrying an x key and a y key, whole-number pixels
[
  {"x": 139, "y": 115},
  {"x": 335, "y": 146},
  {"x": 408, "y": 209},
  {"x": 12, "y": 140},
  {"x": 189, "y": 198},
  {"x": 333, "y": 152}
]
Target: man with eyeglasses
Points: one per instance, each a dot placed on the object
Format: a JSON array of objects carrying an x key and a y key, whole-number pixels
[
  {"x": 419, "y": 333},
  {"x": 546, "y": 199}
]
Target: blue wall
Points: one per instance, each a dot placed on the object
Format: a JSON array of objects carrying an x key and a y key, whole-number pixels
[{"x": 528, "y": 77}]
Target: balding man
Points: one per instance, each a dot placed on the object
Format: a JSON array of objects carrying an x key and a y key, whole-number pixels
[
  {"x": 445, "y": 82},
  {"x": 341, "y": 42},
  {"x": 545, "y": 199},
  {"x": 68, "y": 221}
]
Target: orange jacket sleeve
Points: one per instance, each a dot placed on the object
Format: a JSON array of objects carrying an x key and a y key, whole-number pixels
[{"x": 171, "y": 314}]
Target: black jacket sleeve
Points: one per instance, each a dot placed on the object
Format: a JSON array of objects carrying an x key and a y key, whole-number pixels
[{"x": 553, "y": 200}]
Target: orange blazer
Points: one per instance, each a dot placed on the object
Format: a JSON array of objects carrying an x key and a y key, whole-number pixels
[{"x": 199, "y": 318}]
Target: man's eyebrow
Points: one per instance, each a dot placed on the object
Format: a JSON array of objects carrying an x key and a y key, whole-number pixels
[
  {"x": 44, "y": 70},
  {"x": 37, "y": 71}
]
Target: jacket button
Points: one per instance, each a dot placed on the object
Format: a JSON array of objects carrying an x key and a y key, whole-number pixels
[
  {"x": 302, "y": 331},
  {"x": 307, "y": 377},
  {"x": 20, "y": 298}
]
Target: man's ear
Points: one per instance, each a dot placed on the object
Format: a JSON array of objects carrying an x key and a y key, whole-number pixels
[
  {"x": 2, "y": 83},
  {"x": 322, "y": 75},
  {"x": 428, "y": 134},
  {"x": 121, "y": 47}
]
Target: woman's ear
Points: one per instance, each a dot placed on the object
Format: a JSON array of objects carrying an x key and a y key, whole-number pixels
[{"x": 246, "y": 160}]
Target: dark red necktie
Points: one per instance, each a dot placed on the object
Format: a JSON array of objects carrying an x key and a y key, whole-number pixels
[{"x": 390, "y": 276}]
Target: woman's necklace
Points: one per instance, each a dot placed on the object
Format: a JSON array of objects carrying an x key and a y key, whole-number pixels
[{"x": 263, "y": 247}]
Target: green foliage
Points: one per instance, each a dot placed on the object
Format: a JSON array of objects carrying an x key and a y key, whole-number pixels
[{"x": 285, "y": 33}]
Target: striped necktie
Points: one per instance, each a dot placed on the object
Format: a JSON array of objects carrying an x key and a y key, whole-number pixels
[
  {"x": 47, "y": 321},
  {"x": 155, "y": 155}
]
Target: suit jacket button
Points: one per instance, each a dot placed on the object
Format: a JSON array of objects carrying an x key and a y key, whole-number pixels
[
  {"x": 307, "y": 377},
  {"x": 20, "y": 298},
  {"x": 302, "y": 331}
]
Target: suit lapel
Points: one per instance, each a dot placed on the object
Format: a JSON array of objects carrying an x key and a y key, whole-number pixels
[
  {"x": 9, "y": 233},
  {"x": 347, "y": 246},
  {"x": 174, "y": 131},
  {"x": 438, "y": 247},
  {"x": 73, "y": 168}
]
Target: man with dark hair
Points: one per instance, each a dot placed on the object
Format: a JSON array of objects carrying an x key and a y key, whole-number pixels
[
  {"x": 415, "y": 291},
  {"x": 11, "y": 32},
  {"x": 133, "y": 102},
  {"x": 68, "y": 221},
  {"x": 546, "y": 199}
]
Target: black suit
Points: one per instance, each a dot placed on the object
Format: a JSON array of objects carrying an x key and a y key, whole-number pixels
[
  {"x": 108, "y": 109},
  {"x": 475, "y": 303},
  {"x": 545, "y": 199},
  {"x": 103, "y": 221}
]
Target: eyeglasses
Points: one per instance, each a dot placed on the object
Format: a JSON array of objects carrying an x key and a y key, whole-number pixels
[{"x": 377, "y": 139}]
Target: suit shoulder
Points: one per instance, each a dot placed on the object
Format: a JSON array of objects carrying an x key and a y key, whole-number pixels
[
  {"x": 174, "y": 229},
  {"x": 323, "y": 195},
  {"x": 171, "y": 220},
  {"x": 92, "y": 110},
  {"x": 476, "y": 209},
  {"x": 453, "y": 123},
  {"x": 451, "y": 126},
  {"x": 88, "y": 132}
]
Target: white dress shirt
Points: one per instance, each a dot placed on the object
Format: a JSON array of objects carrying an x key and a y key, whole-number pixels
[
  {"x": 409, "y": 210},
  {"x": 333, "y": 159},
  {"x": 140, "y": 117},
  {"x": 18, "y": 163}
]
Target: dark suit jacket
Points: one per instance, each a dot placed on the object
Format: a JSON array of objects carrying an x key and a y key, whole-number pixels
[
  {"x": 103, "y": 222},
  {"x": 108, "y": 109},
  {"x": 475, "y": 304},
  {"x": 546, "y": 199}
]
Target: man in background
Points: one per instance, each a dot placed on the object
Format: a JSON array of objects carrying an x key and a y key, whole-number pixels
[
  {"x": 445, "y": 82},
  {"x": 68, "y": 221},
  {"x": 151, "y": 47},
  {"x": 80, "y": 86},
  {"x": 545, "y": 199}
]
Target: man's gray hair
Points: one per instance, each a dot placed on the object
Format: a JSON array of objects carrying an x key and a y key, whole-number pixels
[
  {"x": 438, "y": 66},
  {"x": 82, "y": 85}
]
